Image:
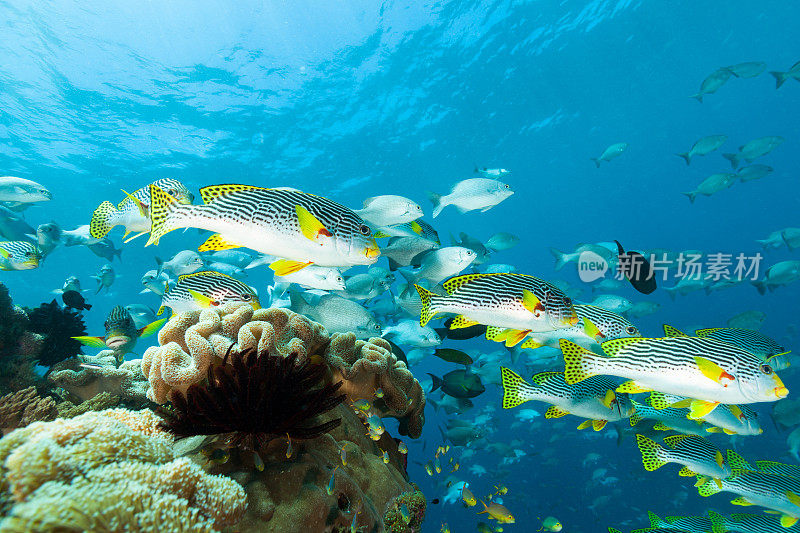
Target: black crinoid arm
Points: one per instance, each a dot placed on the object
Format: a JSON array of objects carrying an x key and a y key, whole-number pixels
[{"x": 256, "y": 398}]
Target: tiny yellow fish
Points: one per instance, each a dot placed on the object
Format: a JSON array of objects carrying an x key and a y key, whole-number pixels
[
  {"x": 289, "y": 449},
  {"x": 468, "y": 498}
]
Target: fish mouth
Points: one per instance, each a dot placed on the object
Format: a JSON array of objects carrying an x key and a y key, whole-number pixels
[
  {"x": 117, "y": 341},
  {"x": 255, "y": 303},
  {"x": 781, "y": 391},
  {"x": 372, "y": 251}
]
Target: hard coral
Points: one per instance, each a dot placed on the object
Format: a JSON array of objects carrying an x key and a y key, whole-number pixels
[
  {"x": 255, "y": 398},
  {"x": 366, "y": 366},
  {"x": 415, "y": 503},
  {"x": 86, "y": 376},
  {"x": 59, "y": 474},
  {"x": 18, "y": 409},
  {"x": 58, "y": 325},
  {"x": 191, "y": 342}
]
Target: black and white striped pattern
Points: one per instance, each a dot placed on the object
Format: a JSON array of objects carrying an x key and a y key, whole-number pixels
[
  {"x": 218, "y": 287},
  {"x": 610, "y": 324},
  {"x": 747, "y": 339}
]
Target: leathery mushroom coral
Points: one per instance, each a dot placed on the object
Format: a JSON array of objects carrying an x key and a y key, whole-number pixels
[
  {"x": 366, "y": 366},
  {"x": 191, "y": 342},
  {"x": 53, "y": 474}
]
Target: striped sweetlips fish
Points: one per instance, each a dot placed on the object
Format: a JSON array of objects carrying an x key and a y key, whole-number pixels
[
  {"x": 697, "y": 455},
  {"x": 593, "y": 398},
  {"x": 206, "y": 289},
  {"x": 729, "y": 419},
  {"x": 133, "y": 212},
  {"x": 301, "y": 229},
  {"x": 755, "y": 342},
  {"x": 516, "y": 302},
  {"x": 709, "y": 371},
  {"x": 19, "y": 255},
  {"x": 595, "y": 325},
  {"x": 755, "y": 486}
]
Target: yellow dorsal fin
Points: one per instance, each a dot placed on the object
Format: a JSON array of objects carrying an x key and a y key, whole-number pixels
[
  {"x": 670, "y": 331},
  {"x": 614, "y": 346},
  {"x": 204, "y": 273},
  {"x": 451, "y": 285},
  {"x": 674, "y": 441},
  {"x": 706, "y": 331},
  {"x": 210, "y": 193}
]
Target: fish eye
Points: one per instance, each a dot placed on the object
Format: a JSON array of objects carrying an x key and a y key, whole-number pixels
[
  {"x": 507, "y": 186},
  {"x": 364, "y": 229},
  {"x": 567, "y": 301},
  {"x": 766, "y": 369},
  {"x": 172, "y": 192},
  {"x": 247, "y": 297},
  {"x": 630, "y": 330}
]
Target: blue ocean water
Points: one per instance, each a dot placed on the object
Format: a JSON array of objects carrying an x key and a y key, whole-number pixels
[{"x": 356, "y": 99}]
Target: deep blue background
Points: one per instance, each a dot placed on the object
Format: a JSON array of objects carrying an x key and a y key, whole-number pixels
[{"x": 355, "y": 99}]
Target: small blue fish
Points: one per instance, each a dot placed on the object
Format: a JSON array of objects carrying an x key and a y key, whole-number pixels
[
  {"x": 331, "y": 483},
  {"x": 405, "y": 514}
]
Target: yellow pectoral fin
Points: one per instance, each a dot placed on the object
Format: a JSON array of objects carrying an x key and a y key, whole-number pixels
[
  {"x": 701, "y": 409},
  {"x": 609, "y": 398},
  {"x": 531, "y": 302},
  {"x": 632, "y": 387},
  {"x": 591, "y": 330},
  {"x": 310, "y": 225},
  {"x": 712, "y": 370},
  {"x": 718, "y": 457},
  {"x": 514, "y": 336},
  {"x": 94, "y": 342},
  {"x": 202, "y": 299},
  {"x": 792, "y": 497},
  {"x": 4, "y": 253},
  {"x": 217, "y": 243},
  {"x": 152, "y": 327},
  {"x": 284, "y": 267},
  {"x": 788, "y": 521}
]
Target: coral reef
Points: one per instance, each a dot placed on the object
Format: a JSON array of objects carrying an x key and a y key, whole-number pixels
[
  {"x": 109, "y": 470},
  {"x": 18, "y": 409},
  {"x": 415, "y": 504},
  {"x": 57, "y": 325},
  {"x": 190, "y": 342},
  {"x": 86, "y": 376},
  {"x": 294, "y": 494},
  {"x": 12, "y": 323},
  {"x": 368, "y": 365},
  {"x": 256, "y": 398}
]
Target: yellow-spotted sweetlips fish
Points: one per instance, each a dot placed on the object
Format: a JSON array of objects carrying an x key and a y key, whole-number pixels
[
  {"x": 755, "y": 342},
  {"x": 595, "y": 325},
  {"x": 593, "y": 399},
  {"x": 206, "y": 289},
  {"x": 133, "y": 212},
  {"x": 751, "y": 523},
  {"x": 709, "y": 371},
  {"x": 780, "y": 493},
  {"x": 696, "y": 454},
  {"x": 688, "y": 524},
  {"x": 516, "y": 302},
  {"x": 121, "y": 332},
  {"x": 301, "y": 229},
  {"x": 19, "y": 255}
]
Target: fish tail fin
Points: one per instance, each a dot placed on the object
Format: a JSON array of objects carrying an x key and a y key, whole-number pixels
[
  {"x": 780, "y": 78},
  {"x": 437, "y": 381},
  {"x": 436, "y": 199},
  {"x": 596, "y": 161},
  {"x": 514, "y": 388},
  {"x": 686, "y": 157},
  {"x": 651, "y": 453},
  {"x": 733, "y": 158},
  {"x": 428, "y": 310},
  {"x": 104, "y": 218},
  {"x": 162, "y": 208},
  {"x": 560, "y": 258},
  {"x": 578, "y": 362},
  {"x": 692, "y": 195},
  {"x": 698, "y": 97}
]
